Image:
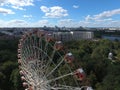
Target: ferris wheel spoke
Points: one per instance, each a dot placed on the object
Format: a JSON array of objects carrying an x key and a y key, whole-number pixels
[
  {"x": 45, "y": 55},
  {"x": 35, "y": 44},
  {"x": 66, "y": 87},
  {"x": 31, "y": 46},
  {"x": 60, "y": 77},
  {"x": 58, "y": 72},
  {"x": 59, "y": 88},
  {"x": 55, "y": 67},
  {"x": 40, "y": 62},
  {"x": 45, "y": 50},
  {"x": 63, "y": 88},
  {"x": 50, "y": 61},
  {"x": 39, "y": 45},
  {"x": 26, "y": 51},
  {"x": 38, "y": 41},
  {"x": 54, "y": 63},
  {"x": 23, "y": 62},
  {"x": 40, "y": 50},
  {"x": 46, "y": 44}
]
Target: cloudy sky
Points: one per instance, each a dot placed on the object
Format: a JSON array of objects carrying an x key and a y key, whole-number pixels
[{"x": 68, "y": 13}]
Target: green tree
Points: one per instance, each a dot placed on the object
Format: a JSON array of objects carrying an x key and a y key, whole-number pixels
[{"x": 15, "y": 80}]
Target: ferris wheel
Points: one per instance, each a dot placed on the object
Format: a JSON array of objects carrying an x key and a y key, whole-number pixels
[{"x": 45, "y": 64}]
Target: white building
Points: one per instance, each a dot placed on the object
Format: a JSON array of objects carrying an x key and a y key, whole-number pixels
[{"x": 73, "y": 35}]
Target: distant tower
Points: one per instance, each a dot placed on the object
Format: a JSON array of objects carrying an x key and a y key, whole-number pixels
[{"x": 110, "y": 55}]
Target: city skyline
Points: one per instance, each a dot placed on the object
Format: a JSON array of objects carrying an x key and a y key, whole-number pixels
[{"x": 72, "y": 13}]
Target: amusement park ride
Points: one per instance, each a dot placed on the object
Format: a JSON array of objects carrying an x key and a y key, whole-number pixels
[{"x": 45, "y": 64}]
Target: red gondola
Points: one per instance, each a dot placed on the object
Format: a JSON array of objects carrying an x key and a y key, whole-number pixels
[
  {"x": 79, "y": 74},
  {"x": 19, "y": 50},
  {"x": 19, "y": 45},
  {"x": 23, "y": 78},
  {"x": 19, "y": 67},
  {"x": 25, "y": 84},
  {"x": 19, "y": 61},
  {"x": 69, "y": 57},
  {"x": 58, "y": 45},
  {"x": 30, "y": 87},
  {"x": 19, "y": 55},
  {"x": 21, "y": 72}
]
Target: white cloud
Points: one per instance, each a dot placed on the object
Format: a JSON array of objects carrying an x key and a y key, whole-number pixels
[
  {"x": 103, "y": 19},
  {"x": 27, "y": 16},
  {"x": 54, "y": 12},
  {"x": 13, "y": 23},
  {"x": 16, "y": 4},
  {"x": 44, "y": 9},
  {"x": 18, "y": 8},
  {"x": 88, "y": 17},
  {"x": 68, "y": 23},
  {"x": 42, "y": 23},
  {"x": 23, "y": 23},
  {"x": 109, "y": 22},
  {"x": 75, "y": 6},
  {"x": 107, "y": 14},
  {"x": 103, "y": 15},
  {"x": 19, "y": 2},
  {"x": 6, "y": 11},
  {"x": 16, "y": 21},
  {"x": 60, "y": 23},
  {"x": 101, "y": 23}
]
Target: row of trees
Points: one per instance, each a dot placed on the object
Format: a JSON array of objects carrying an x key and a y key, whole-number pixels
[
  {"x": 102, "y": 73},
  {"x": 9, "y": 76}
]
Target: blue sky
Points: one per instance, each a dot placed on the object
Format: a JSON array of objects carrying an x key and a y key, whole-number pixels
[{"x": 68, "y": 13}]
